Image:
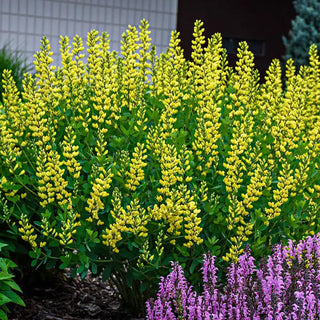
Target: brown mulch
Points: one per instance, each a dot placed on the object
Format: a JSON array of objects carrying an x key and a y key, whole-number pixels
[{"x": 70, "y": 299}]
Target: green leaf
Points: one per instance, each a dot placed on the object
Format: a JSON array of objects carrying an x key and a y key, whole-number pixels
[
  {"x": 32, "y": 254},
  {"x": 4, "y": 299},
  {"x": 2, "y": 245},
  {"x": 124, "y": 130},
  {"x": 193, "y": 265},
  {"x": 53, "y": 243},
  {"x": 231, "y": 89},
  {"x": 80, "y": 269},
  {"x": 74, "y": 272},
  {"x": 86, "y": 168},
  {"x": 129, "y": 279},
  {"x": 64, "y": 265},
  {"x": 183, "y": 250},
  {"x": 34, "y": 262},
  {"x": 5, "y": 276},
  {"x": 14, "y": 297},
  {"x": 94, "y": 268},
  {"x": 106, "y": 273},
  {"x": 3, "y": 315},
  {"x": 12, "y": 285},
  {"x": 143, "y": 286},
  {"x": 83, "y": 274},
  {"x": 13, "y": 199}
]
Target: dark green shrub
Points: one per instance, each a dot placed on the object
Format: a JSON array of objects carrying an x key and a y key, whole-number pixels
[
  {"x": 101, "y": 169},
  {"x": 8, "y": 286}
]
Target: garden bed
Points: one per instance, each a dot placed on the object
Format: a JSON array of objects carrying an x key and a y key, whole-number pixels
[{"x": 70, "y": 299}]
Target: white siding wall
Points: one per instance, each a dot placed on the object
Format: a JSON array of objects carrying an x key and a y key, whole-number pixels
[{"x": 24, "y": 22}]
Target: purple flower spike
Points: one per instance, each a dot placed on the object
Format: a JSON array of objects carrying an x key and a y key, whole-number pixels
[{"x": 286, "y": 286}]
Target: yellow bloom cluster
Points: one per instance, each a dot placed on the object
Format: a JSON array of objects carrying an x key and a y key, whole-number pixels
[
  {"x": 236, "y": 248},
  {"x": 145, "y": 256},
  {"x": 171, "y": 169},
  {"x": 12, "y": 125},
  {"x": 100, "y": 185},
  {"x": 179, "y": 207},
  {"x": 281, "y": 194},
  {"x": 6, "y": 212},
  {"x": 173, "y": 85},
  {"x": 14, "y": 108},
  {"x": 186, "y": 157},
  {"x": 171, "y": 211},
  {"x": 288, "y": 122},
  {"x": 101, "y": 181},
  {"x": 70, "y": 152},
  {"x": 196, "y": 70},
  {"x": 102, "y": 79},
  {"x": 192, "y": 222},
  {"x": 113, "y": 234},
  {"x": 210, "y": 74},
  {"x": 199, "y": 129},
  {"x": 47, "y": 229},
  {"x": 73, "y": 78},
  {"x": 138, "y": 218},
  {"x": 36, "y": 120},
  {"x": 312, "y": 217},
  {"x": 27, "y": 231},
  {"x": 144, "y": 65},
  {"x": 271, "y": 96},
  {"x": 52, "y": 185},
  {"x": 136, "y": 173},
  {"x": 242, "y": 153},
  {"x": 260, "y": 179},
  {"x": 47, "y": 83},
  {"x": 68, "y": 227},
  {"x": 129, "y": 46}
]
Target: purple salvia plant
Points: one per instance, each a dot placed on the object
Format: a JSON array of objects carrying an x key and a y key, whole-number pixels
[{"x": 286, "y": 286}]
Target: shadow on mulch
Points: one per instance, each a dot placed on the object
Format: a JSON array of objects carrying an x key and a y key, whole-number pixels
[{"x": 70, "y": 299}]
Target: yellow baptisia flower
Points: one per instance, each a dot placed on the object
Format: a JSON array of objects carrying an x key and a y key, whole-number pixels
[{"x": 136, "y": 174}]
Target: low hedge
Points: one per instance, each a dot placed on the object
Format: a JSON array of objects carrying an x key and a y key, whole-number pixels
[{"x": 123, "y": 162}]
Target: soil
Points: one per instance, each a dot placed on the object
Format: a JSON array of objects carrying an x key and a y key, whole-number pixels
[{"x": 67, "y": 298}]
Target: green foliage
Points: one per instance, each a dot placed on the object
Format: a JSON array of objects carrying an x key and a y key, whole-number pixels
[
  {"x": 102, "y": 169},
  {"x": 304, "y": 32},
  {"x": 8, "y": 286}
]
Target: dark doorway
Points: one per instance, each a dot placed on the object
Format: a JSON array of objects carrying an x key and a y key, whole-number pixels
[{"x": 261, "y": 23}]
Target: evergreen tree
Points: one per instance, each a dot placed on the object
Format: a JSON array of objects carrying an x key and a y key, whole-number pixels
[{"x": 304, "y": 32}]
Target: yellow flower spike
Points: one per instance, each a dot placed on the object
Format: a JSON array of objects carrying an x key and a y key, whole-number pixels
[
  {"x": 182, "y": 207},
  {"x": 122, "y": 222},
  {"x": 12, "y": 119},
  {"x": 144, "y": 65},
  {"x": 174, "y": 64},
  {"x": 68, "y": 227},
  {"x": 135, "y": 174},
  {"x": 93, "y": 98},
  {"x": 280, "y": 195},
  {"x": 171, "y": 169},
  {"x": 12, "y": 126},
  {"x": 130, "y": 76},
  {"x": 52, "y": 185},
  {"x": 70, "y": 152},
  {"x": 137, "y": 218},
  {"x": 242, "y": 154},
  {"x": 27, "y": 231}
]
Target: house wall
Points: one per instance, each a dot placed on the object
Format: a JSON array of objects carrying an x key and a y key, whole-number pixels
[
  {"x": 261, "y": 23},
  {"x": 24, "y": 22}
]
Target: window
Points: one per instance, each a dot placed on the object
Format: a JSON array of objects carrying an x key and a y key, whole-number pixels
[{"x": 257, "y": 47}]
